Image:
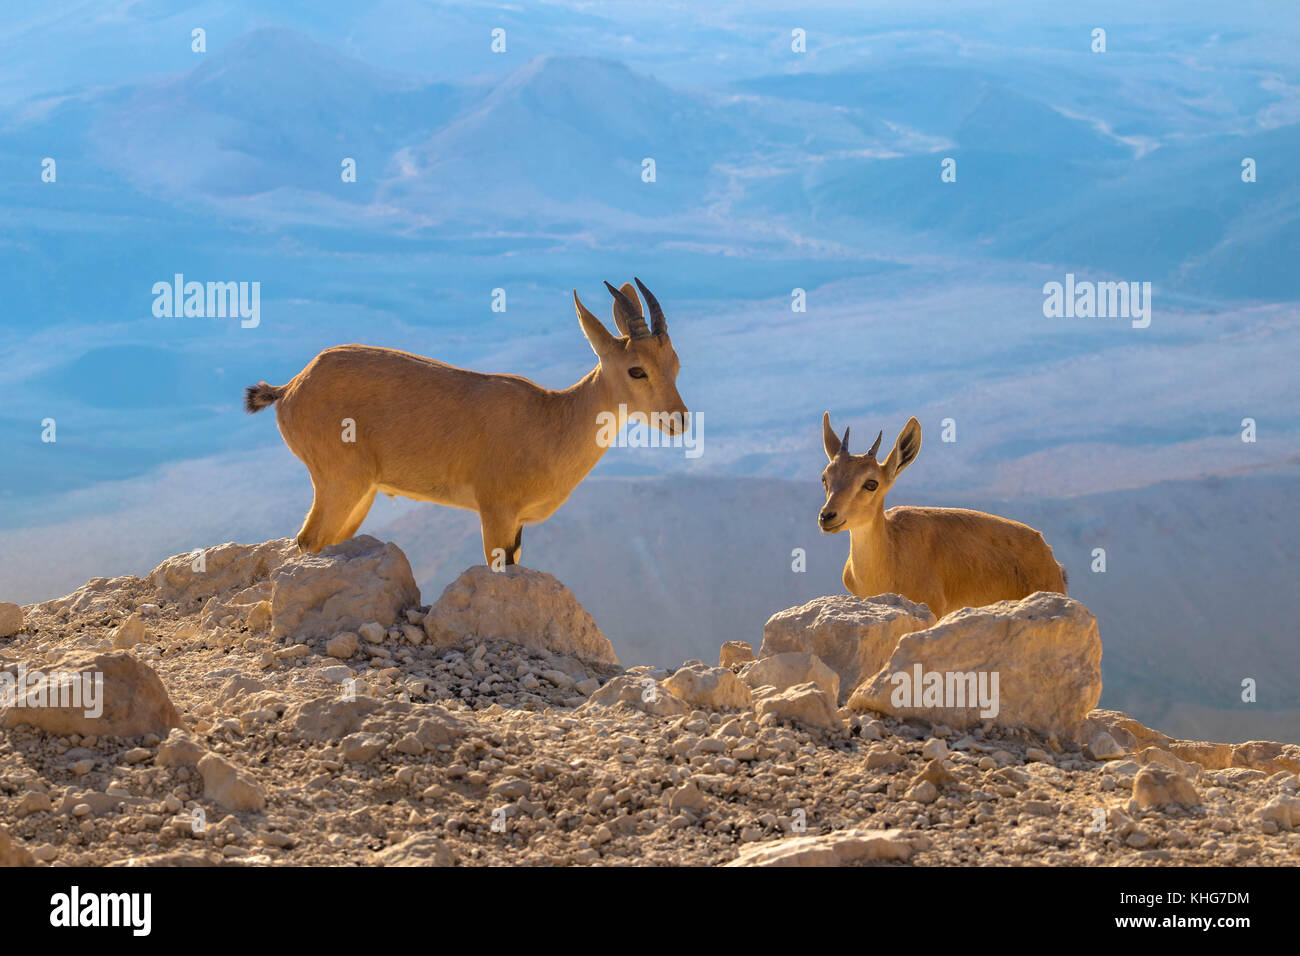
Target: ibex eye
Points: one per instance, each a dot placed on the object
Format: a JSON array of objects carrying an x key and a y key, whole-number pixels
[
  {"x": 636, "y": 371},
  {"x": 871, "y": 485}
]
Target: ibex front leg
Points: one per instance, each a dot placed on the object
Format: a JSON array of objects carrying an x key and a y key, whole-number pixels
[{"x": 503, "y": 538}]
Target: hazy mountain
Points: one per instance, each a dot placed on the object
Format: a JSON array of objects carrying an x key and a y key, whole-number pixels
[{"x": 273, "y": 109}]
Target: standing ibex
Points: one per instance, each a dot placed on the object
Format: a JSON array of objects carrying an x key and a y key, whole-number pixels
[
  {"x": 948, "y": 558},
  {"x": 496, "y": 444}
]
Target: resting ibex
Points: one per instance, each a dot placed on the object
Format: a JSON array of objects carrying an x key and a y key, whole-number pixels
[
  {"x": 948, "y": 558},
  {"x": 496, "y": 444}
]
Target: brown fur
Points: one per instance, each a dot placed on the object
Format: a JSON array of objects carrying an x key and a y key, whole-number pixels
[
  {"x": 948, "y": 558},
  {"x": 500, "y": 445}
]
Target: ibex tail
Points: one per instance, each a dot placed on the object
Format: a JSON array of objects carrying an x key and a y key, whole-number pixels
[{"x": 259, "y": 396}]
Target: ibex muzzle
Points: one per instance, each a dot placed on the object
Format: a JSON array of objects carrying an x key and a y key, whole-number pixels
[
  {"x": 948, "y": 558},
  {"x": 365, "y": 420}
]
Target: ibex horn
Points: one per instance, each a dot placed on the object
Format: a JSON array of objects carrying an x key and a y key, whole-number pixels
[
  {"x": 844, "y": 442},
  {"x": 658, "y": 324},
  {"x": 876, "y": 447},
  {"x": 632, "y": 318}
]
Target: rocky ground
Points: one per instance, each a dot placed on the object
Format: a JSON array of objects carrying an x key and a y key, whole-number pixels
[{"x": 273, "y": 710}]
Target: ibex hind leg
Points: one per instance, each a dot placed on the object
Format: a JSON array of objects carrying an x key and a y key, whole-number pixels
[{"x": 337, "y": 510}]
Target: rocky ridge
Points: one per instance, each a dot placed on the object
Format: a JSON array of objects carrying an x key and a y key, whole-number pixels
[{"x": 260, "y": 707}]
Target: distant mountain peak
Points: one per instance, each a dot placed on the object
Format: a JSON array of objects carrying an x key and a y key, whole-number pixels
[
  {"x": 584, "y": 75},
  {"x": 269, "y": 59}
]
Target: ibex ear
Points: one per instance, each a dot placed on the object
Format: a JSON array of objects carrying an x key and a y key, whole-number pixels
[
  {"x": 905, "y": 449},
  {"x": 629, "y": 290},
  {"x": 602, "y": 343},
  {"x": 829, "y": 439}
]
